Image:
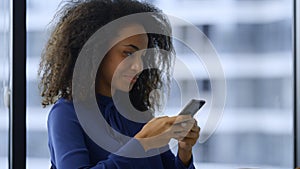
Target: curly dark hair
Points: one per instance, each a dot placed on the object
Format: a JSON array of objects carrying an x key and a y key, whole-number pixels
[{"x": 76, "y": 22}]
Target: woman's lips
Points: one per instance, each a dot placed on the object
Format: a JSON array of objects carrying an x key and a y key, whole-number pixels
[{"x": 130, "y": 78}]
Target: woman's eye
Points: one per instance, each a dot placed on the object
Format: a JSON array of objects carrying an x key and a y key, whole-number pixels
[{"x": 128, "y": 53}]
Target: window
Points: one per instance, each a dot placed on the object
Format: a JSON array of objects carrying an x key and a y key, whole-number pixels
[
  {"x": 254, "y": 43},
  {"x": 255, "y": 48},
  {"x": 5, "y": 52},
  {"x": 39, "y": 15}
]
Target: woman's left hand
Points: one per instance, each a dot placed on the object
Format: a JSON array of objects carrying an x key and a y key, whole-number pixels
[{"x": 185, "y": 144}]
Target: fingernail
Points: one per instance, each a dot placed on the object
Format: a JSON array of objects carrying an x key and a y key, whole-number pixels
[{"x": 183, "y": 124}]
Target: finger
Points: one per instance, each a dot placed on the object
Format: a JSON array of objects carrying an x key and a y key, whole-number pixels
[
  {"x": 187, "y": 126},
  {"x": 188, "y": 141},
  {"x": 161, "y": 117},
  {"x": 190, "y": 138},
  {"x": 178, "y": 132},
  {"x": 181, "y": 118},
  {"x": 196, "y": 122},
  {"x": 192, "y": 135},
  {"x": 196, "y": 129},
  {"x": 189, "y": 122},
  {"x": 179, "y": 136},
  {"x": 183, "y": 124},
  {"x": 182, "y": 127}
]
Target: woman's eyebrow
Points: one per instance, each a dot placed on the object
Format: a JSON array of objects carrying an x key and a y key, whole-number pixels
[{"x": 133, "y": 46}]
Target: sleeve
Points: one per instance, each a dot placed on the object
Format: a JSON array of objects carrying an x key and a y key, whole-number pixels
[
  {"x": 170, "y": 161},
  {"x": 67, "y": 144}
]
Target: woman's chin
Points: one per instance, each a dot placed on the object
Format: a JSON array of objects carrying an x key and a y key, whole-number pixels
[{"x": 126, "y": 88}]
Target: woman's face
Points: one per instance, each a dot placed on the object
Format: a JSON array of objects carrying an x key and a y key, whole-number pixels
[{"x": 122, "y": 63}]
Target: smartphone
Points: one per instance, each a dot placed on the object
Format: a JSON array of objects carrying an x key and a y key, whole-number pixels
[{"x": 192, "y": 107}]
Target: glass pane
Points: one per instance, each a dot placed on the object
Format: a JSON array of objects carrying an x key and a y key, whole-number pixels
[
  {"x": 254, "y": 42},
  {"x": 4, "y": 79},
  {"x": 39, "y": 15}
]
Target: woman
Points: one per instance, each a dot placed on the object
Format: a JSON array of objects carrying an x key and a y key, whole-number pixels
[{"x": 123, "y": 70}]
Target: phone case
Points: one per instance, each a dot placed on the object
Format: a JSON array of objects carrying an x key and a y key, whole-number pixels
[{"x": 192, "y": 107}]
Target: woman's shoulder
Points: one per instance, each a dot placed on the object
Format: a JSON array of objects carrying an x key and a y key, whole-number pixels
[
  {"x": 62, "y": 124},
  {"x": 62, "y": 102},
  {"x": 61, "y": 110}
]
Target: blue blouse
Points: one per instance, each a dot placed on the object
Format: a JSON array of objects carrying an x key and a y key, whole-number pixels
[{"x": 71, "y": 148}]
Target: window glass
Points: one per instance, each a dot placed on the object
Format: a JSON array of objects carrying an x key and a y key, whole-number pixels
[
  {"x": 39, "y": 15},
  {"x": 5, "y": 50},
  {"x": 254, "y": 43}
]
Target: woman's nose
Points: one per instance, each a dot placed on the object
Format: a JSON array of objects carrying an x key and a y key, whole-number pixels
[{"x": 137, "y": 63}]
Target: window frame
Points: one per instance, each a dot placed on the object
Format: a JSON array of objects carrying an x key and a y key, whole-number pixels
[
  {"x": 296, "y": 51},
  {"x": 17, "y": 109}
]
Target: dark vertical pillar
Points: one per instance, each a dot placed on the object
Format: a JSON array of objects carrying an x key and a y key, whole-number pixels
[
  {"x": 17, "y": 133},
  {"x": 296, "y": 51}
]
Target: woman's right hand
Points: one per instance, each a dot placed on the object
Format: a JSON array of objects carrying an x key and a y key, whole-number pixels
[{"x": 158, "y": 131}]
